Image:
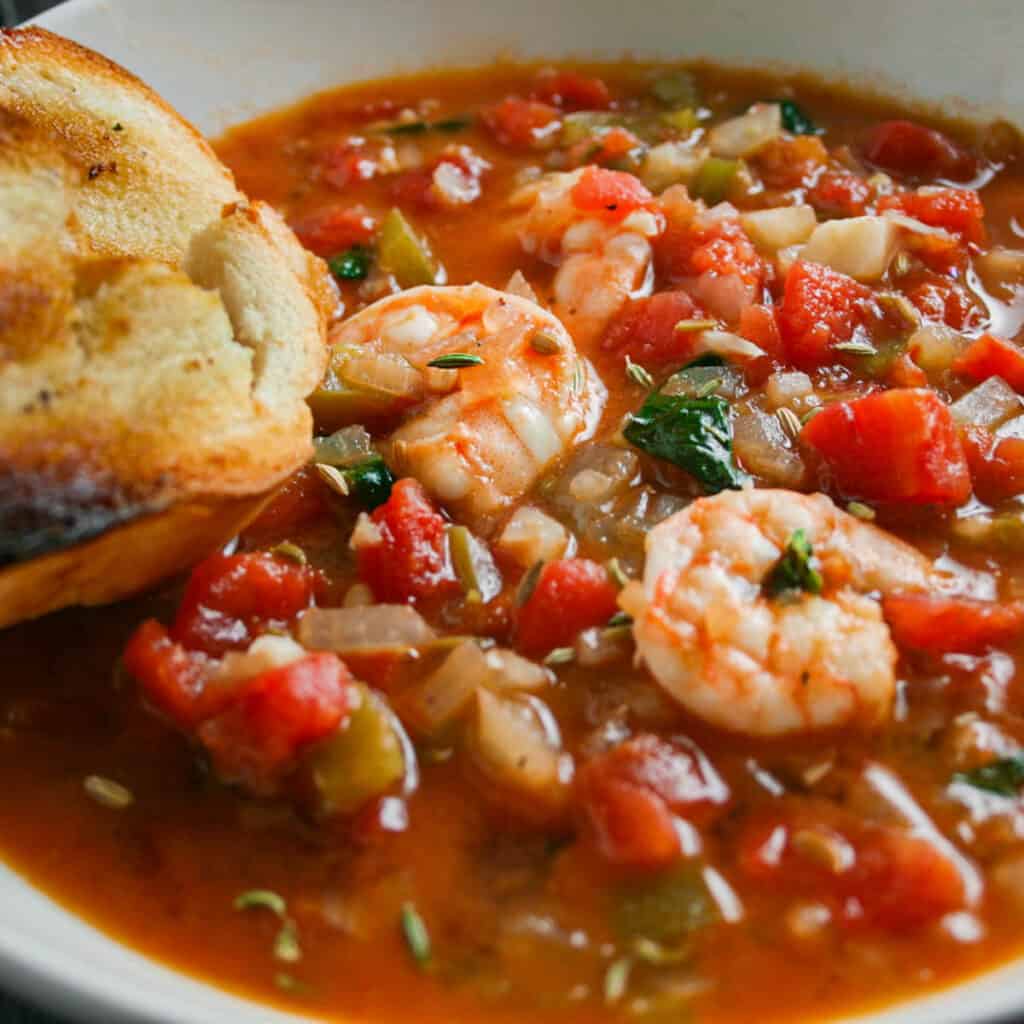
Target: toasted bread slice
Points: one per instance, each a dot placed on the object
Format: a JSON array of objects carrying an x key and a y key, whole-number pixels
[{"x": 158, "y": 336}]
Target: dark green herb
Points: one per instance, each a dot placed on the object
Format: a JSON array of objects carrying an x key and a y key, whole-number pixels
[
  {"x": 456, "y": 361},
  {"x": 449, "y": 125},
  {"x": 528, "y": 584},
  {"x": 796, "y": 569},
  {"x": 371, "y": 482},
  {"x": 795, "y": 120},
  {"x": 1004, "y": 776},
  {"x": 707, "y": 359},
  {"x": 118, "y": 127},
  {"x": 692, "y": 433},
  {"x": 408, "y": 128},
  {"x": 352, "y": 264},
  {"x": 452, "y": 124},
  {"x": 665, "y": 910},
  {"x": 417, "y": 938}
]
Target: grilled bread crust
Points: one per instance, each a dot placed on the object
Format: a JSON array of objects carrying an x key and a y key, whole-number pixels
[{"x": 158, "y": 335}]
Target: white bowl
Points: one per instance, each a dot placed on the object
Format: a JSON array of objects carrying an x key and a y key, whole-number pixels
[{"x": 220, "y": 61}]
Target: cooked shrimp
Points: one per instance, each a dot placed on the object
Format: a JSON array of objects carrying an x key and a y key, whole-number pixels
[
  {"x": 477, "y": 435},
  {"x": 603, "y": 252},
  {"x": 762, "y": 665}
]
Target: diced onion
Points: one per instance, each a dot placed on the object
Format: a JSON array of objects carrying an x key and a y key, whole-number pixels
[
  {"x": 602, "y": 645},
  {"x": 363, "y": 629},
  {"x": 671, "y": 163},
  {"x": 518, "y": 285},
  {"x": 785, "y": 388},
  {"x": 861, "y": 247},
  {"x": 510, "y": 671},
  {"x": 343, "y": 448},
  {"x": 724, "y": 343},
  {"x": 1001, "y": 271},
  {"x": 532, "y": 536},
  {"x": 762, "y": 447},
  {"x": 445, "y": 694},
  {"x": 744, "y": 135},
  {"x": 263, "y": 654},
  {"x": 934, "y": 347},
  {"x": 915, "y": 226},
  {"x": 777, "y": 228},
  {"x": 988, "y": 405},
  {"x": 515, "y": 745}
]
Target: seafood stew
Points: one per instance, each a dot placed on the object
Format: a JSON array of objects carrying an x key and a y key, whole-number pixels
[{"x": 642, "y": 641}]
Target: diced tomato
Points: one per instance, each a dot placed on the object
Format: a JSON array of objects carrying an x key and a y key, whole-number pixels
[
  {"x": 335, "y": 228},
  {"x": 171, "y": 678},
  {"x": 299, "y": 502},
  {"x": 820, "y": 308},
  {"x": 945, "y": 301},
  {"x": 420, "y": 187},
  {"x": 632, "y": 794},
  {"x": 760, "y": 325},
  {"x": 645, "y": 330},
  {"x": 990, "y": 356},
  {"x": 409, "y": 561},
  {"x": 879, "y": 877},
  {"x": 614, "y": 145},
  {"x": 905, "y": 373},
  {"x": 840, "y": 193},
  {"x": 346, "y": 162},
  {"x": 997, "y": 464},
  {"x": 522, "y": 124},
  {"x": 275, "y": 716},
  {"x": 900, "y": 446},
  {"x": 942, "y": 625},
  {"x": 956, "y": 210},
  {"x": 572, "y": 594},
  {"x": 230, "y": 599},
  {"x": 613, "y": 194},
  {"x": 570, "y": 90},
  {"x": 911, "y": 149},
  {"x": 790, "y": 162}
]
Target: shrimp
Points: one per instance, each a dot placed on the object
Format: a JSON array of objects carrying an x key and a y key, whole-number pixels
[
  {"x": 762, "y": 665},
  {"x": 603, "y": 253},
  {"x": 479, "y": 432}
]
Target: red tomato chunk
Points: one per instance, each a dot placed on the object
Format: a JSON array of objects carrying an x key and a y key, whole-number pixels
[
  {"x": 230, "y": 599},
  {"x": 990, "y": 356},
  {"x": 572, "y": 91},
  {"x": 997, "y": 464},
  {"x": 820, "y": 308},
  {"x": 911, "y": 149},
  {"x": 334, "y": 229},
  {"x": 613, "y": 194},
  {"x": 899, "y": 446},
  {"x": 408, "y": 559},
  {"x": 277, "y": 714},
  {"x": 944, "y": 301},
  {"x": 571, "y": 595},
  {"x": 956, "y": 210},
  {"x": 943, "y": 625},
  {"x": 632, "y": 795},
  {"x": 869, "y": 876},
  {"x": 522, "y": 124},
  {"x": 646, "y": 330}
]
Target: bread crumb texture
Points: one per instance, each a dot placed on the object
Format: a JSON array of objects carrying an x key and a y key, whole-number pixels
[{"x": 159, "y": 335}]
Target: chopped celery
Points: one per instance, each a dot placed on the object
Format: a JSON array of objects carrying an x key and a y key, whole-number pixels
[
  {"x": 402, "y": 252},
  {"x": 683, "y": 121},
  {"x": 879, "y": 363},
  {"x": 336, "y": 405},
  {"x": 665, "y": 909},
  {"x": 677, "y": 89},
  {"x": 715, "y": 179},
  {"x": 360, "y": 761},
  {"x": 584, "y": 124}
]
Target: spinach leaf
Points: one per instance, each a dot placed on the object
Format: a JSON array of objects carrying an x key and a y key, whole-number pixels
[
  {"x": 796, "y": 569},
  {"x": 692, "y": 433},
  {"x": 1004, "y": 776},
  {"x": 370, "y": 482},
  {"x": 795, "y": 120},
  {"x": 352, "y": 264}
]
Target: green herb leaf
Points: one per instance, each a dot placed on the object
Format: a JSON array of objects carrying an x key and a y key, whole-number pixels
[
  {"x": 1003, "y": 777},
  {"x": 638, "y": 374},
  {"x": 262, "y": 899},
  {"x": 560, "y": 656},
  {"x": 352, "y": 264},
  {"x": 417, "y": 938},
  {"x": 286, "y": 944},
  {"x": 616, "y": 980},
  {"x": 456, "y": 361},
  {"x": 452, "y": 124},
  {"x": 407, "y": 128},
  {"x": 370, "y": 481},
  {"x": 796, "y": 569},
  {"x": 795, "y": 120},
  {"x": 692, "y": 433},
  {"x": 707, "y": 359}
]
